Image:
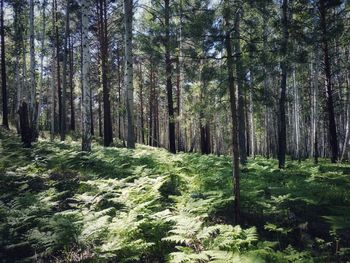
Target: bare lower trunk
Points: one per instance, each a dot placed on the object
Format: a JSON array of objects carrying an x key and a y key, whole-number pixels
[
  {"x": 86, "y": 92},
  {"x": 5, "y": 121},
  {"x": 240, "y": 77},
  {"x": 33, "y": 101},
  {"x": 128, "y": 12},
  {"x": 332, "y": 129},
  {"x": 283, "y": 88},
  {"x": 234, "y": 133},
  {"x": 168, "y": 70}
]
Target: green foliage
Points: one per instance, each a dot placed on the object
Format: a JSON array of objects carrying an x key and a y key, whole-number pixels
[{"x": 147, "y": 205}]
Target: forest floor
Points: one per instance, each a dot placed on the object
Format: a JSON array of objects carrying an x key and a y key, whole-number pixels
[{"x": 58, "y": 204}]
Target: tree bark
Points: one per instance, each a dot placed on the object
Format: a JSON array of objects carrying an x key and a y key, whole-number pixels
[
  {"x": 26, "y": 131},
  {"x": 282, "y": 100},
  {"x": 58, "y": 67},
  {"x": 240, "y": 77},
  {"x": 71, "y": 86},
  {"x": 42, "y": 61},
  {"x": 168, "y": 72},
  {"x": 64, "y": 77},
  {"x": 347, "y": 128},
  {"x": 141, "y": 108},
  {"x": 5, "y": 121},
  {"x": 33, "y": 101},
  {"x": 332, "y": 129},
  {"x": 314, "y": 113},
  {"x": 107, "y": 120},
  {"x": 234, "y": 121},
  {"x": 128, "y": 17},
  {"x": 86, "y": 92}
]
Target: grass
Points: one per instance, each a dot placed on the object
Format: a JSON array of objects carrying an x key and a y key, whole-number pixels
[{"x": 58, "y": 204}]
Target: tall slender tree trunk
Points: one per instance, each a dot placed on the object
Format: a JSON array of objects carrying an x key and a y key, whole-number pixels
[
  {"x": 58, "y": 67},
  {"x": 296, "y": 116},
  {"x": 91, "y": 111},
  {"x": 332, "y": 129},
  {"x": 119, "y": 97},
  {"x": 234, "y": 121},
  {"x": 168, "y": 72},
  {"x": 64, "y": 77},
  {"x": 18, "y": 41},
  {"x": 314, "y": 108},
  {"x": 128, "y": 17},
  {"x": 142, "y": 121},
  {"x": 33, "y": 109},
  {"x": 240, "y": 77},
  {"x": 41, "y": 85},
  {"x": 347, "y": 127},
  {"x": 86, "y": 92},
  {"x": 5, "y": 121},
  {"x": 180, "y": 140},
  {"x": 266, "y": 145},
  {"x": 71, "y": 86},
  {"x": 282, "y": 100},
  {"x": 107, "y": 120},
  {"x": 52, "y": 99},
  {"x": 251, "y": 114},
  {"x": 100, "y": 125}
]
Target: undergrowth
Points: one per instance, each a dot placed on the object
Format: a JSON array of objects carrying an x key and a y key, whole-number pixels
[{"x": 58, "y": 204}]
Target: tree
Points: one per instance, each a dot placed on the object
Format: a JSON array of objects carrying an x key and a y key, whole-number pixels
[
  {"x": 234, "y": 122},
  {"x": 129, "y": 87},
  {"x": 282, "y": 99},
  {"x": 240, "y": 78},
  {"x": 107, "y": 122},
  {"x": 86, "y": 92},
  {"x": 63, "y": 118},
  {"x": 332, "y": 128},
  {"x": 168, "y": 73},
  {"x": 5, "y": 121},
  {"x": 33, "y": 109},
  {"x": 42, "y": 56},
  {"x": 58, "y": 66}
]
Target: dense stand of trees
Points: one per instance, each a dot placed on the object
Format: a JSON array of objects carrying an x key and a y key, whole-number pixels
[{"x": 249, "y": 78}]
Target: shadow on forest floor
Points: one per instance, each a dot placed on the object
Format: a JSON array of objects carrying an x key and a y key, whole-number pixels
[{"x": 57, "y": 202}]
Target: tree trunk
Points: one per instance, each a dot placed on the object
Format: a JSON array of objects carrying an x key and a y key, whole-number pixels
[
  {"x": 18, "y": 41},
  {"x": 5, "y": 121},
  {"x": 100, "y": 125},
  {"x": 71, "y": 86},
  {"x": 26, "y": 131},
  {"x": 314, "y": 113},
  {"x": 33, "y": 102},
  {"x": 296, "y": 117},
  {"x": 283, "y": 88},
  {"x": 168, "y": 73},
  {"x": 234, "y": 121},
  {"x": 64, "y": 77},
  {"x": 107, "y": 120},
  {"x": 42, "y": 62},
  {"x": 58, "y": 68},
  {"x": 151, "y": 107},
  {"x": 346, "y": 140},
  {"x": 128, "y": 13},
  {"x": 86, "y": 92},
  {"x": 251, "y": 114},
  {"x": 332, "y": 129},
  {"x": 240, "y": 77},
  {"x": 119, "y": 98},
  {"x": 141, "y": 108},
  {"x": 53, "y": 92}
]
